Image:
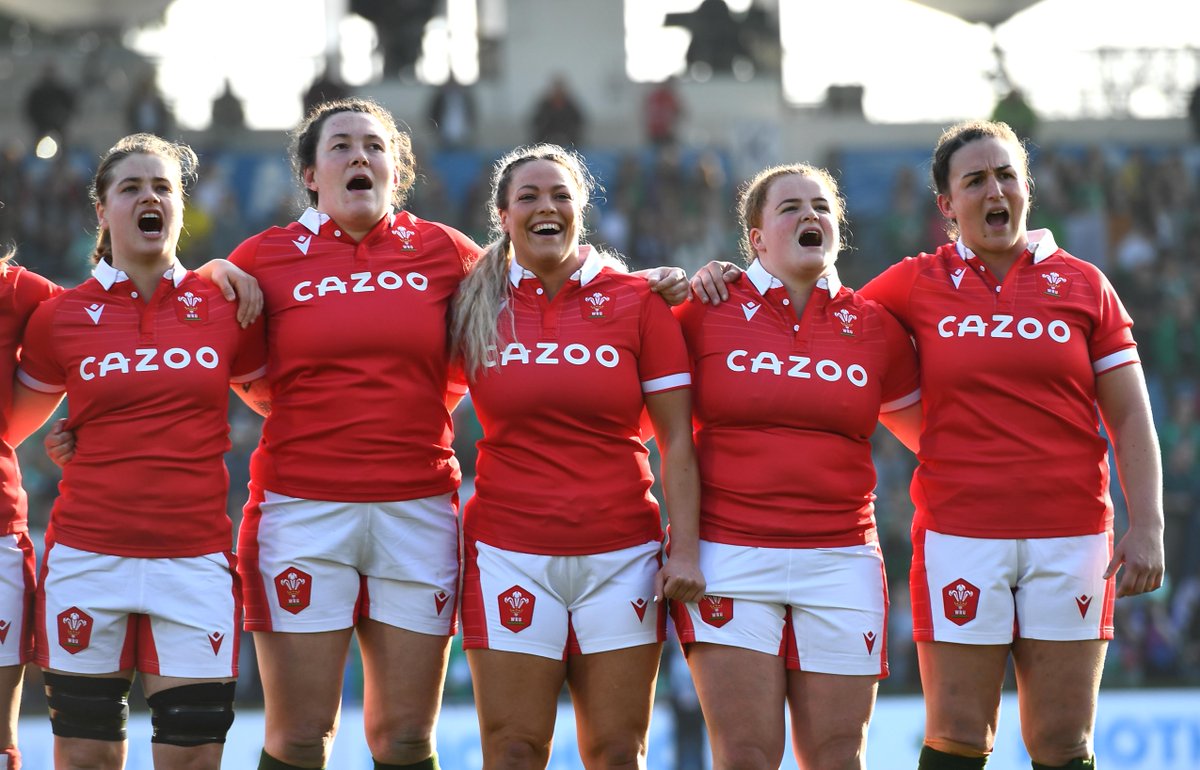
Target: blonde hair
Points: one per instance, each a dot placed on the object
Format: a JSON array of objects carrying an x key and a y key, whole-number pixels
[
  {"x": 753, "y": 199},
  {"x": 475, "y": 312}
]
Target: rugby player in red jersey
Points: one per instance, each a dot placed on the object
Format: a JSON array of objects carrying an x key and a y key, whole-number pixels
[{"x": 563, "y": 574}]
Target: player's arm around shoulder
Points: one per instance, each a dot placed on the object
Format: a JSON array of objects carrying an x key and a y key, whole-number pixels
[{"x": 1125, "y": 408}]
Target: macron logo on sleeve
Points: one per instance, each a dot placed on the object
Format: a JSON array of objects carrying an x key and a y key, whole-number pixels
[{"x": 94, "y": 310}]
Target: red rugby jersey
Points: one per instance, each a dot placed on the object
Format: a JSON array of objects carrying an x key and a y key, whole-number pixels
[
  {"x": 785, "y": 409},
  {"x": 358, "y": 357},
  {"x": 147, "y": 389},
  {"x": 561, "y": 467},
  {"x": 1010, "y": 445},
  {"x": 20, "y": 293}
]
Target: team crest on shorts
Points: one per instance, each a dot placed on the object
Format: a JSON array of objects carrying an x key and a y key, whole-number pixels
[
  {"x": 597, "y": 306},
  {"x": 961, "y": 602},
  {"x": 294, "y": 589},
  {"x": 516, "y": 609},
  {"x": 191, "y": 308},
  {"x": 1055, "y": 284},
  {"x": 716, "y": 610},
  {"x": 74, "y": 630}
]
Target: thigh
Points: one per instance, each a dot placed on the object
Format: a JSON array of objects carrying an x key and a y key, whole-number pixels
[
  {"x": 403, "y": 675},
  {"x": 302, "y": 684},
  {"x": 84, "y": 609},
  {"x": 298, "y": 560},
  {"x": 838, "y": 601},
  {"x": 516, "y": 699},
  {"x": 1058, "y": 684},
  {"x": 17, "y": 584},
  {"x": 613, "y": 694},
  {"x": 829, "y": 715},
  {"x": 511, "y": 602},
  {"x": 613, "y": 605},
  {"x": 742, "y": 696},
  {"x": 1061, "y": 593},
  {"x": 190, "y": 622},
  {"x": 962, "y": 588},
  {"x": 410, "y": 564},
  {"x": 961, "y": 686}
]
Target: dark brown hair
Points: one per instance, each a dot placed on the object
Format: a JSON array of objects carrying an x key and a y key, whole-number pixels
[{"x": 308, "y": 133}]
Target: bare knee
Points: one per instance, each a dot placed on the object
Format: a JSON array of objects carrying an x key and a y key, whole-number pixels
[
  {"x": 744, "y": 756},
  {"x": 1056, "y": 745},
  {"x": 836, "y": 752},
  {"x": 516, "y": 753},
  {"x": 615, "y": 754},
  {"x": 303, "y": 742},
  {"x": 400, "y": 744}
]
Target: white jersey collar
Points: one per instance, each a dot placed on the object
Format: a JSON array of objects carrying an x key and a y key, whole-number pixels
[
  {"x": 1041, "y": 244},
  {"x": 107, "y": 275},
  {"x": 763, "y": 281}
]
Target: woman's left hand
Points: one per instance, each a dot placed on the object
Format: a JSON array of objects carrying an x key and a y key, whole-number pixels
[
  {"x": 235, "y": 284},
  {"x": 1140, "y": 551},
  {"x": 680, "y": 580}
]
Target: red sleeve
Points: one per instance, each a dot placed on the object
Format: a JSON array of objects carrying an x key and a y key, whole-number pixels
[
  {"x": 902, "y": 381},
  {"x": 468, "y": 250},
  {"x": 245, "y": 255},
  {"x": 892, "y": 289},
  {"x": 663, "y": 360},
  {"x": 251, "y": 361},
  {"x": 690, "y": 316},
  {"x": 39, "y": 368},
  {"x": 30, "y": 290},
  {"x": 1113, "y": 331}
]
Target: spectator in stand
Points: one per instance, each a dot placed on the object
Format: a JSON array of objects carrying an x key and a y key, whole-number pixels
[
  {"x": 147, "y": 111},
  {"x": 557, "y": 118},
  {"x": 50, "y": 105},
  {"x": 452, "y": 113},
  {"x": 662, "y": 113}
]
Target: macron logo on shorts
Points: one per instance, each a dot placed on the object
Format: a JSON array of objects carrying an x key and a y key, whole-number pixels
[
  {"x": 439, "y": 600},
  {"x": 869, "y": 639},
  {"x": 4, "y": 626},
  {"x": 1083, "y": 602},
  {"x": 639, "y": 606},
  {"x": 215, "y": 638}
]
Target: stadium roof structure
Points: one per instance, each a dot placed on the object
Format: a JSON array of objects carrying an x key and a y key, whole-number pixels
[
  {"x": 990, "y": 12},
  {"x": 65, "y": 15}
]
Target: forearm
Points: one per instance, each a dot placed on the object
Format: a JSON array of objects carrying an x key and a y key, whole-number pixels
[
  {"x": 256, "y": 395},
  {"x": 681, "y": 488}
]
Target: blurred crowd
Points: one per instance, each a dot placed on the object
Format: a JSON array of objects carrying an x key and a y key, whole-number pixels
[{"x": 1134, "y": 211}]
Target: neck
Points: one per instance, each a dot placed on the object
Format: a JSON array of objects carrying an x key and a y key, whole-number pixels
[
  {"x": 145, "y": 275},
  {"x": 552, "y": 276}
]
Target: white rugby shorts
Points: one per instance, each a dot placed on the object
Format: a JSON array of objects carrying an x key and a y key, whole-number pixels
[
  {"x": 17, "y": 584},
  {"x": 555, "y": 606},
  {"x": 972, "y": 590},
  {"x": 823, "y": 609},
  {"x": 100, "y": 614},
  {"x": 313, "y": 565}
]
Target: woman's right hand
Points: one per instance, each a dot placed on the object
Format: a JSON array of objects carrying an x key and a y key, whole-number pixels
[
  {"x": 708, "y": 284},
  {"x": 60, "y": 443}
]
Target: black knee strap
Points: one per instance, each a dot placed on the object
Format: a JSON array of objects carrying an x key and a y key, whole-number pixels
[
  {"x": 192, "y": 714},
  {"x": 87, "y": 707},
  {"x": 1079, "y": 763}
]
